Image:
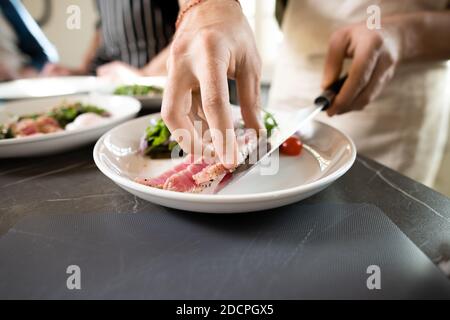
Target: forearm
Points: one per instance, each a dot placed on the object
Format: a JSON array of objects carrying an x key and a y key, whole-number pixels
[
  {"x": 157, "y": 66},
  {"x": 422, "y": 35},
  {"x": 91, "y": 52}
]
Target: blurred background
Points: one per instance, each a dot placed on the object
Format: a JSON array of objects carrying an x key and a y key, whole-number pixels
[{"x": 72, "y": 44}]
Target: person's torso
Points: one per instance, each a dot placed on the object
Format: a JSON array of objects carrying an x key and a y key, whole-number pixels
[
  {"x": 134, "y": 31},
  {"x": 313, "y": 21},
  {"x": 406, "y": 125}
]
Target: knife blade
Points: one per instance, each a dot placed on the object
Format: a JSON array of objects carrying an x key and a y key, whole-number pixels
[{"x": 292, "y": 122}]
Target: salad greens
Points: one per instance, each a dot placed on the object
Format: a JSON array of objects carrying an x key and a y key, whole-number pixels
[
  {"x": 137, "y": 90},
  {"x": 269, "y": 122},
  {"x": 5, "y": 132},
  {"x": 157, "y": 140},
  {"x": 63, "y": 114},
  {"x": 67, "y": 113}
]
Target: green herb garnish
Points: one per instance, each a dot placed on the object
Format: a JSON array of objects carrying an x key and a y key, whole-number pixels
[
  {"x": 158, "y": 140},
  {"x": 68, "y": 112},
  {"x": 137, "y": 90},
  {"x": 269, "y": 122},
  {"x": 5, "y": 132}
]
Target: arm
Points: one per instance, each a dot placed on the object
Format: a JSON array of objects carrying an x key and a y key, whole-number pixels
[
  {"x": 52, "y": 69},
  {"x": 423, "y": 35},
  {"x": 119, "y": 70},
  {"x": 376, "y": 53},
  {"x": 158, "y": 65},
  {"x": 91, "y": 53}
]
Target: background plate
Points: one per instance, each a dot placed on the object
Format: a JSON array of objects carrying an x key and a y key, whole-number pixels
[
  {"x": 149, "y": 103},
  {"x": 120, "y": 108},
  {"x": 50, "y": 87}
]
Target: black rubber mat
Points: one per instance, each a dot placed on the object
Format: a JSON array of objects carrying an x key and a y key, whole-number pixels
[{"x": 322, "y": 251}]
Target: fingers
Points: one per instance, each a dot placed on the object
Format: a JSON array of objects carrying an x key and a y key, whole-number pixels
[
  {"x": 362, "y": 67},
  {"x": 334, "y": 60},
  {"x": 248, "y": 86},
  {"x": 217, "y": 109},
  {"x": 117, "y": 70},
  {"x": 103, "y": 70},
  {"x": 198, "y": 117},
  {"x": 51, "y": 69},
  {"x": 7, "y": 73},
  {"x": 383, "y": 72},
  {"x": 175, "y": 111},
  {"x": 48, "y": 69}
]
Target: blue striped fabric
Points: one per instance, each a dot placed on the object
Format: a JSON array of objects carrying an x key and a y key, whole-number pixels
[{"x": 31, "y": 40}]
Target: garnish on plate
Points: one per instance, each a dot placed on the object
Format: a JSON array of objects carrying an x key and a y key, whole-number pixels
[
  {"x": 138, "y": 90},
  {"x": 57, "y": 119},
  {"x": 269, "y": 122},
  {"x": 292, "y": 146},
  {"x": 157, "y": 142}
]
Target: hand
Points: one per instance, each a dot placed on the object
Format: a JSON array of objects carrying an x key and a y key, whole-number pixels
[
  {"x": 374, "y": 53},
  {"x": 57, "y": 70},
  {"x": 119, "y": 71},
  {"x": 7, "y": 73},
  {"x": 213, "y": 42}
]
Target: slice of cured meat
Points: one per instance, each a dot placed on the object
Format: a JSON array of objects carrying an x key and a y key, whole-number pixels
[
  {"x": 159, "y": 181},
  {"x": 183, "y": 180},
  {"x": 201, "y": 175}
]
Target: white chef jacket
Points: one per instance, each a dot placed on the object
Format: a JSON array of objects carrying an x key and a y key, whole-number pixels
[{"x": 406, "y": 127}]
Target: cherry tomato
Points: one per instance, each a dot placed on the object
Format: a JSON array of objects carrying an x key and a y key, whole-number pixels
[{"x": 292, "y": 146}]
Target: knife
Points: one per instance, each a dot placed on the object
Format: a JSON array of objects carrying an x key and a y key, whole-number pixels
[{"x": 292, "y": 122}]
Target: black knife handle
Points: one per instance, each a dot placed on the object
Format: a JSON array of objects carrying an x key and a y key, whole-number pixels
[{"x": 326, "y": 98}]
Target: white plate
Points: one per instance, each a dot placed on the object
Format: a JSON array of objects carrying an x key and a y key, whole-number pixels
[
  {"x": 150, "y": 103},
  {"x": 327, "y": 156},
  {"x": 49, "y": 87},
  {"x": 120, "y": 108}
]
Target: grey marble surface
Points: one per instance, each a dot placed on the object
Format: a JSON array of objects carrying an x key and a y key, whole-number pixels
[
  {"x": 38, "y": 193},
  {"x": 71, "y": 183}
]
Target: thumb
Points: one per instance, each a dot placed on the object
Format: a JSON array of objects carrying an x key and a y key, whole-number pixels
[{"x": 337, "y": 51}]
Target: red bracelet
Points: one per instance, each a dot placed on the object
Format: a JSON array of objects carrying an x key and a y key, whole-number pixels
[{"x": 188, "y": 7}]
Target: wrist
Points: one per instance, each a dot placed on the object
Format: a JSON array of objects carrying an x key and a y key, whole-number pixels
[
  {"x": 390, "y": 37},
  {"x": 407, "y": 31},
  {"x": 81, "y": 70},
  {"x": 195, "y": 9}
]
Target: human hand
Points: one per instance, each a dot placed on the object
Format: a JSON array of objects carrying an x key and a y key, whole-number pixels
[
  {"x": 57, "y": 70},
  {"x": 118, "y": 71},
  {"x": 213, "y": 42},
  {"x": 375, "y": 55},
  {"x": 7, "y": 73}
]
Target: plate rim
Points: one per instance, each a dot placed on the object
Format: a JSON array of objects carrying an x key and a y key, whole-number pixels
[
  {"x": 31, "y": 80},
  {"x": 214, "y": 198}
]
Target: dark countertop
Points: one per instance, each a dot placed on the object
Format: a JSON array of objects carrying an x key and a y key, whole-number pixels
[{"x": 71, "y": 184}]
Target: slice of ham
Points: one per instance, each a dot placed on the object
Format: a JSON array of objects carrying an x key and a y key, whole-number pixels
[
  {"x": 201, "y": 175},
  {"x": 210, "y": 173},
  {"x": 183, "y": 180},
  {"x": 47, "y": 124},
  {"x": 246, "y": 145},
  {"x": 28, "y": 127},
  {"x": 159, "y": 181},
  {"x": 25, "y": 127}
]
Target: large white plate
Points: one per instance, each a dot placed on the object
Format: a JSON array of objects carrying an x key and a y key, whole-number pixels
[
  {"x": 327, "y": 156},
  {"x": 151, "y": 102},
  {"x": 50, "y": 87},
  {"x": 120, "y": 108}
]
